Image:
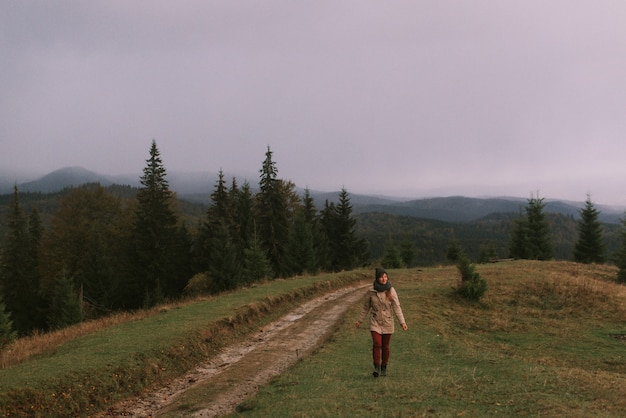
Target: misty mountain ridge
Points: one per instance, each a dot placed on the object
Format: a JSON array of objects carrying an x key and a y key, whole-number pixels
[
  {"x": 182, "y": 183},
  {"x": 196, "y": 187}
]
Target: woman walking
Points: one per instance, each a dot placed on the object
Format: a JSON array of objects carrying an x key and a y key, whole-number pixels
[{"x": 381, "y": 299}]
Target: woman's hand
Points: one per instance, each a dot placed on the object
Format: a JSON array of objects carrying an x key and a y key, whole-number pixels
[
  {"x": 357, "y": 324},
  {"x": 405, "y": 327}
]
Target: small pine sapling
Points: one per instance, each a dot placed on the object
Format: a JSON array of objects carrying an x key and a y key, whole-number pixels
[{"x": 471, "y": 285}]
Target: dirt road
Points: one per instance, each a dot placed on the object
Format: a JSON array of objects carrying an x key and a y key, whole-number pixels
[{"x": 240, "y": 370}]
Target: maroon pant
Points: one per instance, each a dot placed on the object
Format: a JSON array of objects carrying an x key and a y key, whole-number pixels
[{"x": 380, "y": 345}]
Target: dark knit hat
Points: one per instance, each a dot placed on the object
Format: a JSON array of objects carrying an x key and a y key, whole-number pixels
[{"x": 379, "y": 272}]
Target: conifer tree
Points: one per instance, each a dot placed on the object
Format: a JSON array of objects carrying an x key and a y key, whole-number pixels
[
  {"x": 540, "y": 246},
  {"x": 223, "y": 254},
  {"x": 155, "y": 234},
  {"x": 218, "y": 214},
  {"x": 256, "y": 265},
  {"x": 308, "y": 207},
  {"x": 272, "y": 214},
  {"x": 221, "y": 209},
  {"x": 530, "y": 235},
  {"x": 347, "y": 250},
  {"x": 589, "y": 247},
  {"x": 471, "y": 285},
  {"x": 357, "y": 247},
  {"x": 344, "y": 250}
]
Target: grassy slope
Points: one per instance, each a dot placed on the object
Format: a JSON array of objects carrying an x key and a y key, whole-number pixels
[
  {"x": 539, "y": 344},
  {"x": 86, "y": 373}
]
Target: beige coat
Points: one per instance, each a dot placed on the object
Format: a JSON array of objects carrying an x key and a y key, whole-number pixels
[{"x": 380, "y": 306}]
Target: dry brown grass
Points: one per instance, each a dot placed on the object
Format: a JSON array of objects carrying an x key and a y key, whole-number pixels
[{"x": 559, "y": 290}]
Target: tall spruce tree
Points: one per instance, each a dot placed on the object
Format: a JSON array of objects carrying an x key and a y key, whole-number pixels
[
  {"x": 155, "y": 234},
  {"x": 272, "y": 214},
  {"x": 347, "y": 250},
  {"x": 589, "y": 248},
  {"x": 540, "y": 245},
  {"x": 221, "y": 208},
  {"x": 218, "y": 213},
  {"x": 221, "y": 241},
  {"x": 356, "y": 248},
  {"x": 530, "y": 233},
  {"x": 19, "y": 278}
]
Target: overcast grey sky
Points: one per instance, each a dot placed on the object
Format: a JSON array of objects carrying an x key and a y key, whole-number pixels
[{"x": 412, "y": 98}]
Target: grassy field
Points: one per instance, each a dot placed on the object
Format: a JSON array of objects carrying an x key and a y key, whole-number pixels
[
  {"x": 545, "y": 341},
  {"x": 81, "y": 370}
]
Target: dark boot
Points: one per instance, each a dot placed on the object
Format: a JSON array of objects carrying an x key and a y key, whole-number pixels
[
  {"x": 383, "y": 370},
  {"x": 376, "y": 371}
]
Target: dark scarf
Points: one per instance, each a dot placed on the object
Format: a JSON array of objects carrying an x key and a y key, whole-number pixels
[{"x": 382, "y": 287}]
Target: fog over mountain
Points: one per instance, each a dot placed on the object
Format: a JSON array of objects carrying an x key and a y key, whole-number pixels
[{"x": 197, "y": 187}]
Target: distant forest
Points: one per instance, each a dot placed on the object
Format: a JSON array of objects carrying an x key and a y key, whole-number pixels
[
  {"x": 121, "y": 247},
  {"x": 378, "y": 227}
]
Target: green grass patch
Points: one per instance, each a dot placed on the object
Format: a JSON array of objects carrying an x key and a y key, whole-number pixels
[
  {"x": 87, "y": 373},
  {"x": 539, "y": 344}
]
